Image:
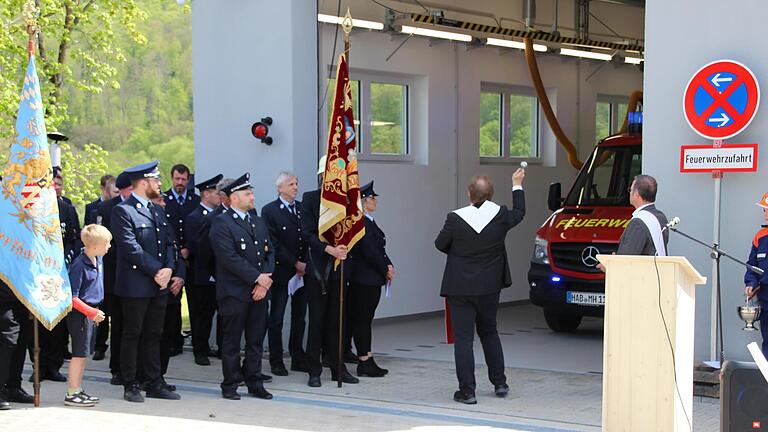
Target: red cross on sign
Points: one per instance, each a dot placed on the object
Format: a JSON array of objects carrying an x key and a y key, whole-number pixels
[{"x": 721, "y": 99}]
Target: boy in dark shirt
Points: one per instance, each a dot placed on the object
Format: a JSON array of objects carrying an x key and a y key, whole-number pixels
[{"x": 87, "y": 279}]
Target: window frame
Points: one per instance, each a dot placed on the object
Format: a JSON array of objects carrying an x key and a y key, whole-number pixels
[
  {"x": 614, "y": 122},
  {"x": 507, "y": 91},
  {"x": 366, "y": 79}
]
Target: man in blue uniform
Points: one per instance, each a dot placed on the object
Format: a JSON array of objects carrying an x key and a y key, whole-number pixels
[
  {"x": 108, "y": 191},
  {"x": 113, "y": 308},
  {"x": 145, "y": 264},
  {"x": 756, "y": 285},
  {"x": 201, "y": 287},
  {"x": 245, "y": 260},
  {"x": 283, "y": 218}
]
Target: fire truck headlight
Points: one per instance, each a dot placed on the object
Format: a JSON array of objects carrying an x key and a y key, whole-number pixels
[{"x": 540, "y": 255}]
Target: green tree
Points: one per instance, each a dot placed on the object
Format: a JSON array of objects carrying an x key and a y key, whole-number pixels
[
  {"x": 521, "y": 114},
  {"x": 490, "y": 124},
  {"x": 76, "y": 48},
  {"x": 82, "y": 170}
]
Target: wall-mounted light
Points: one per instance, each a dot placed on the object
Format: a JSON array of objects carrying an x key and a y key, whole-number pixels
[
  {"x": 585, "y": 54},
  {"x": 436, "y": 34},
  {"x": 633, "y": 60},
  {"x": 260, "y": 130},
  {"x": 331, "y": 19},
  {"x": 513, "y": 44}
]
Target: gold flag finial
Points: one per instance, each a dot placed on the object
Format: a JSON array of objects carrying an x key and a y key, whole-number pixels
[{"x": 347, "y": 24}]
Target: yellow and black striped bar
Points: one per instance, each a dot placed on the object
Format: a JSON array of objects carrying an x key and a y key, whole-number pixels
[{"x": 536, "y": 35}]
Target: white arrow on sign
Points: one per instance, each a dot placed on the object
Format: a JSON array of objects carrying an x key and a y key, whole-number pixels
[
  {"x": 716, "y": 80},
  {"x": 723, "y": 119}
]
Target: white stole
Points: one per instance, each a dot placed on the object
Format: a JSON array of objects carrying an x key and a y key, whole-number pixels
[
  {"x": 478, "y": 218},
  {"x": 654, "y": 227}
]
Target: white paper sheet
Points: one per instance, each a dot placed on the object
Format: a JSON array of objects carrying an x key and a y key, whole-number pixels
[
  {"x": 295, "y": 283},
  {"x": 387, "y": 288}
]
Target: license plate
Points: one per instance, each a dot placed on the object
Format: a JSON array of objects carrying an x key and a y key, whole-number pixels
[{"x": 586, "y": 298}]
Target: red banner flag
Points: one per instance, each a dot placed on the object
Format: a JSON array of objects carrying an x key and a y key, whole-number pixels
[{"x": 341, "y": 210}]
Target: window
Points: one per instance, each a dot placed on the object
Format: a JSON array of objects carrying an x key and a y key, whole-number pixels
[
  {"x": 382, "y": 116},
  {"x": 490, "y": 124},
  {"x": 509, "y": 123},
  {"x": 609, "y": 116}
]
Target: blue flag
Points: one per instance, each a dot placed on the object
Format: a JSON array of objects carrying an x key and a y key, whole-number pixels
[{"x": 31, "y": 247}]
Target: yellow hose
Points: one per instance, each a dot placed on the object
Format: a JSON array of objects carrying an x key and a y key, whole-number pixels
[{"x": 533, "y": 67}]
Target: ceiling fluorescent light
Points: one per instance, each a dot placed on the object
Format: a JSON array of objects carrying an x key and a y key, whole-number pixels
[
  {"x": 633, "y": 60},
  {"x": 585, "y": 54},
  {"x": 513, "y": 44},
  {"x": 436, "y": 33},
  {"x": 330, "y": 19}
]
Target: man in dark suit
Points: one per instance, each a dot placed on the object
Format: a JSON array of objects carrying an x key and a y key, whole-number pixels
[
  {"x": 476, "y": 270},
  {"x": 282, "y": 217},
  {"x": 643, "y": 235},
  {"x": 245, "y": 260},
  {"x": 58, "y": 185},
  {"x": 145, "y": 265},
  {"x": 322, "y": 285},
  {"x": 108, "y": 191},
  {"x": 180, "y": 202},
  {"x": 201, "y": 287},
  {"x": 112, "y": 308},
  {"x": 15, "y": 336}
]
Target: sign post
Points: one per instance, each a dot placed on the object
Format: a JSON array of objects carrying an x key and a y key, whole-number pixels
[{"x": 720, "y": 101}]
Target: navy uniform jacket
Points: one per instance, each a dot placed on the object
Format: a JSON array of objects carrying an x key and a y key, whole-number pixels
[
  {"x": 477, "y": 262},
  {"x": 368, "y": 257},
  {"x": 201, "y": 259},
  {"x": 289, "y": 241},
  {"x": 104, "y": 211},
  {"x": 177, "y": 213},
  {"x": 180, "y": 270},
  {"x": 758, "y": 258},
  {"x": 144, "y": 243},
  {"x": 92, "y": 212},
  {"x": 243, "y": 252},
  {"x": 318, "y": 262},
  {"x": 70, "y": 230}
]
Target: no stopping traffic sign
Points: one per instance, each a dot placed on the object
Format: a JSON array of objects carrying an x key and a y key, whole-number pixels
[{"x": 721, "y": 99}]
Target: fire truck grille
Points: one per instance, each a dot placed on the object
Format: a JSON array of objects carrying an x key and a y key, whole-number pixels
[{"x": 579, "y": 257}]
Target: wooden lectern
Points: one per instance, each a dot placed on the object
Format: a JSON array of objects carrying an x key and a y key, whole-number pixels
[{"x": 639, "y": 368}]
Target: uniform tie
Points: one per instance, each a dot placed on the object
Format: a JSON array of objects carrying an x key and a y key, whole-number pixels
[{"x": 293, "y": 208}]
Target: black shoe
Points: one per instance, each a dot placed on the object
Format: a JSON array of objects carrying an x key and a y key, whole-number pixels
[
  {"x": 350, "y": 357},
  {"x": 117, "y": 379},
  {"x": 213, "y": 353},
  {"x": 501, "y": 390},
  {"x": 314, "y": 381},
  {"x": 279, "y": 369},
  {"x": 4, "y": 404},
  {"x": 55, "y": 376},
  {"x": 175, "y": 351},
  {"x": 259, "y": 391},
  {"x": 162, "y": 393},
  {"x": 133, "y": 394},
  {"x": 466, "y": 398},
  {"x": 381, "y": 369},
  {"x": 98, "y": 355},
  {"x": 202, "y": 360},
  {"x": 264, "y": 377},
  {"x": 18, "y": 395},
  {"x": 230, "y": 394},
  {"x": 367, "y": 368},
  {"x": 169, "y": 387},
  {"x": 346, "y": 377},
  {"x": 299, "y": 365}
]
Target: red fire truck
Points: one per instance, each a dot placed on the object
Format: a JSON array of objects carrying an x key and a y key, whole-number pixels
[{"x": 564, "y": 279}]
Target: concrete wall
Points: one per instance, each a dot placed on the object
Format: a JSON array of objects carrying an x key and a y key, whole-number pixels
[
  {"x": 672, "y": 57},
  {"x": 234, "y": 87}
]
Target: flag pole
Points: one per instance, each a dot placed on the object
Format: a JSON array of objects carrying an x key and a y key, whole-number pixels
[
  {"x": 346, "y": 25},
  {"x": 31, "y": 12}
]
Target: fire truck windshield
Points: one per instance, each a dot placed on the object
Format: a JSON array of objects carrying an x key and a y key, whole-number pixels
[{"x": 606, "y": 176}]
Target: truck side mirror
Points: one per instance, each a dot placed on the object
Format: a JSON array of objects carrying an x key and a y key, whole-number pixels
[{"x": 555, "y": 200}]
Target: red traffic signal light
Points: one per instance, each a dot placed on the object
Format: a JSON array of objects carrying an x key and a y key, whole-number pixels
[{"x": 260, "y": 130}]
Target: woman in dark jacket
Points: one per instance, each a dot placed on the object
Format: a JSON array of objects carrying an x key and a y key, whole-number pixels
[{"x": 371, "y": 269}]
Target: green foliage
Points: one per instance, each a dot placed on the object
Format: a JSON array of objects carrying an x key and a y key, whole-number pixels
[
  {"x": 82, "y": 170},
  {"x": 602, "y": 120},
  {"x": 79, "y": 47},
  {"x": 388, "y": 113},
  {"x": 490, "y": 124},
  {"x": 522, "y": 111}
]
